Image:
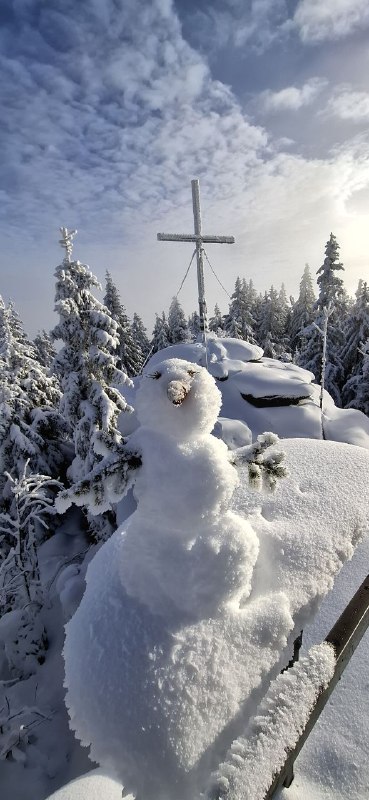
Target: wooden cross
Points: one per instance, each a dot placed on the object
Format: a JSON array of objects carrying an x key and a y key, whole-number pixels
[{"x": 200, "y": 240}]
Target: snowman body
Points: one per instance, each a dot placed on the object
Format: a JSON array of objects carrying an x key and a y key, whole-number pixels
[{"x": 166, "y": 645}]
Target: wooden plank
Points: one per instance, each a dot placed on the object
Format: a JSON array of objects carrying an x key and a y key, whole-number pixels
[
  {"x": 193, "y": 237},
  {"x": 345, "y": 636}
]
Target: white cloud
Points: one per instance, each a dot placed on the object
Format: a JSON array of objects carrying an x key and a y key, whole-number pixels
[
  {"x": 258, "y": 23},
  {"x": 292, "y": 98},
  {"x": 318, "y": 20},
  {"x": 106, "y": 139},
  {"x": 350, "y": 105}
]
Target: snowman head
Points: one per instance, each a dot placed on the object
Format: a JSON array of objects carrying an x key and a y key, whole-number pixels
[{"x": 178, "y": 398}]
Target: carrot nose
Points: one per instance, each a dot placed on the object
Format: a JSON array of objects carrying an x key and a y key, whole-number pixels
[{"x": 177, "y": 392}]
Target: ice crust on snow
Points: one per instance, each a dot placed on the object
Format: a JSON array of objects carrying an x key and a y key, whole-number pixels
[
  {"x": 256, "y": 757},
  {"x": 189, "y": 606}
]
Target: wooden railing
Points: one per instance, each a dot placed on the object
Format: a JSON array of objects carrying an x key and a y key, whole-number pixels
[{"x": 344, "y": 637}]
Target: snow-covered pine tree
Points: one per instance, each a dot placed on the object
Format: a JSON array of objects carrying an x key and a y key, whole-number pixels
[
  {"x": 129, "y": 356},
  {"x": 330, "y": 285},
  {"x": 45, "y": 349},
  {"x": 194, "y": 326},
  {"x": 216, "y": 324},
  {"x": 269, "y": 347},
  {"x": 302, "y": 314},
  {"x": 177, "y": 325},
  {"x": 160, "y": 334},
  {"x": 358, "y": 385},
  {"x": 140, "y": 338},
  {"x": 31, "y": 427},
  {"x": 356, "y": 333},
  {"x": 22, "y": 527},
  {"x": 284, "y": 316},
  {"x": 331, "y": 294},
  {"x": 272, "y": 320},
  {"x": 239, "y": 322},
  {"x": 86, "y": 366},
  {"x": 112, "y": 299}
]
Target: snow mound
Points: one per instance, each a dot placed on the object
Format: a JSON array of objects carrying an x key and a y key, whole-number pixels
[
  {"x": 311, "y": 525},
  {"x": 93, "y": 786},
  {"x": 226, "y": 350},
  {"x": 233, "y": 432}
]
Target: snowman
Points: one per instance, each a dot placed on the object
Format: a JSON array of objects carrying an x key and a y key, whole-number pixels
[{"x": 168, "y": 644}]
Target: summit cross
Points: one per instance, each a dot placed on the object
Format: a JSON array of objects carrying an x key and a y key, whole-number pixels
[{"x": 199, "y": 239}]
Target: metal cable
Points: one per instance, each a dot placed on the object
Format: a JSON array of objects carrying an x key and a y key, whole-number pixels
[
  {"x": 215, "y": 275},
  {"x": 187, "y": 271}
]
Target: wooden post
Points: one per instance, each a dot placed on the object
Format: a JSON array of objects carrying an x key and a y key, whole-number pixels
[{"x": 199, "y": 240}]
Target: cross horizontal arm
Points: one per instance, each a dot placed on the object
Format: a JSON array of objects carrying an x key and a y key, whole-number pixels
[{"x": 183, "y": 237}]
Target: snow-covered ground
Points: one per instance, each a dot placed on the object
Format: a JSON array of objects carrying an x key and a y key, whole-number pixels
[
  {"x": 333, "y": 764},
  {"x": 194, "y": 603}
]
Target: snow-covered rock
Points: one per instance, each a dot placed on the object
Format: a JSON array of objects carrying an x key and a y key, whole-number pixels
[{"x": 264, "y": 393}]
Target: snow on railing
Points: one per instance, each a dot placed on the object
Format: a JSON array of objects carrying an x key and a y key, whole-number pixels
[
  {"x": 260, "y": 762},
  {"x": 344, "y": 637}
]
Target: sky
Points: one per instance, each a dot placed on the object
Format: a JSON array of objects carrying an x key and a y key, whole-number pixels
[{"x": 111, "y": 107}]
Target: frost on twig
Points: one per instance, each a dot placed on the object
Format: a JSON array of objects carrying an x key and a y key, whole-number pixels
[
  {"x": 17, "y": 728},
  {"x": 22, "y": 632}
]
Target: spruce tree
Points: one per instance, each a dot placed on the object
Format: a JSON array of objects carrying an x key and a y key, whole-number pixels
[
  {"x": 129, "y": 357},
  {"x": 358, "y": 386},
  {"x": 86, "y": 365},
  {"x": 31, "y": 427},
  {"x": 160, "y": 334},
  {"x": 177, "y": 325},
  {"x": 330, "y": 285},
  {"x": 356, "y": 333},
  {"x": 44, "y": 348},
  {"x": 194, "y": 328},
  {"x": 272, "y": 320},
  {"x": 141, "y": 341},
  {"x": 331, "y": 296},
  {"x": 239, "y": 322},
  {"x": 216, "y": 323},
  {"x": 302, "y": 314}
]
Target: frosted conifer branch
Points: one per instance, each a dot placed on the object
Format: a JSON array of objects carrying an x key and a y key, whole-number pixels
[
  {"x": 66, "y": 241},
  {"x": 106, "y": 484},
  {"x": 264, "y": 468}
]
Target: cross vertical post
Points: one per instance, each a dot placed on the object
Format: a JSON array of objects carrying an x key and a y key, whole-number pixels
[
  {"x": 199, "y": 253},
  {"x": 199, "y": 240}
]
